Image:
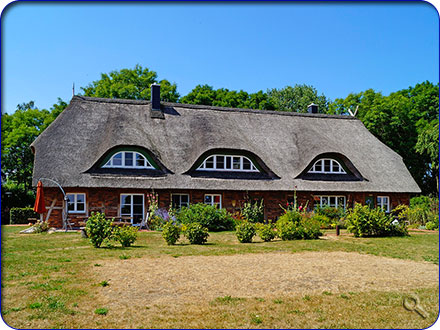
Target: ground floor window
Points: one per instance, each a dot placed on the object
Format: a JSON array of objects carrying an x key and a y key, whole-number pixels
[
  {"x": 332, "y": 201},
  {"x": 213, "y": 199},
  {"x": 384, "y": 203},
  {"x": 76, "y": 203},
  {"x": 179, "y": 200},
  {"x": 132, "y": 205}
]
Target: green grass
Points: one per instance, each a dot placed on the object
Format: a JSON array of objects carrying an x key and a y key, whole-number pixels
[{"x": 45, "y": 278}]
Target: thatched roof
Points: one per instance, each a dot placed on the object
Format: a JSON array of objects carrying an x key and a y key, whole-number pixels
[{"x": 284, "y": 144}]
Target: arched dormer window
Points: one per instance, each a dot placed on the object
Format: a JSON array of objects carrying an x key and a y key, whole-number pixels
[
  {"x": 128, "y": 159},
  {"x": 327, "y": 166},
  {"x": 227, "y": 163}
]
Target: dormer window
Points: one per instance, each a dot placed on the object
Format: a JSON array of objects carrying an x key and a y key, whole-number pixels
[
  {"x": 228, "y": 163},
  {"x": 128, "y": 159},
  {"x": 327, "y": 166}
]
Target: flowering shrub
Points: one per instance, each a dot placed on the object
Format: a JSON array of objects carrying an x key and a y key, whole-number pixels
[
  {"x": 171, "y": 233},
  {"x": 195, "y": 233},
  {"x": 253, "y": 212},
  {"x": 160, "y": 218},
  {"x": 245, "y": 231},
  {"x": 41, "y": 226},
  {"x": 153, "y": 202},
  {"x": 266, "y": 231}
]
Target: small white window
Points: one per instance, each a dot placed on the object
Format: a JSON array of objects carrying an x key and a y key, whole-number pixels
[
  {"x": 213, "y": 199},
  {"x": 128, "y": 159},
  {"x": 332, "y": 201},
  {"x": 384, "y": 203},
  {"x": 76, "y": 203},
  {"x": 327, "y": 166},
  {"x": 228, "y": 163},
  {"x": 179, "y": 200}
]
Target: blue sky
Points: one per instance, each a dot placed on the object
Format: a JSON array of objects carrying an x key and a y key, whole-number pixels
[{"x": 338, "y": 48}]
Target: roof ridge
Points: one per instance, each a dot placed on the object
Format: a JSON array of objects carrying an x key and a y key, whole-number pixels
[{"x": 214, "y": 108}]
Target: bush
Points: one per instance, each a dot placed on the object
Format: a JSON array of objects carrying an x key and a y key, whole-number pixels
[
  {"x": 363, "y": 221},
  {"x": 20, "y": 215},
  {"x": 98, "y": 228},
  {"x": 311, "y": 227},
  {"x": 332, "y": 213},
  {"x": 253, "y": 212},
  {"x": 208, "y": 216},
  {"x": 324, "y": 221},
  {"x": 125, "y": 235},
  {"x": 287, "y": 226},
  {"x": 170, "y": 233},
  {"x": 195, "y": 233},
  {"x": 294, "y": 225},
  {"x": 266, "y": 231},
  {"x": 432, "y": 225},
  {"x": 245, "y": 231}
]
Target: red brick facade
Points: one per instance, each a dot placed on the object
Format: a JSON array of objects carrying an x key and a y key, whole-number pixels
[{"x": 107, "y": 200}]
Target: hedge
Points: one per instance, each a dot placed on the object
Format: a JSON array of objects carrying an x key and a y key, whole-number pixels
[{"x": 20, "y": 215}]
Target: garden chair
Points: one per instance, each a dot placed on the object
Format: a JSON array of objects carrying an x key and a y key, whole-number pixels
[{"x": 144, "y": 222}]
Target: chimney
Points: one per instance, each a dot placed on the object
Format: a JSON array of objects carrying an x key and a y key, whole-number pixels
[
  {"x": 312, "y": 108},
  {"x": 156, "y": 111}
]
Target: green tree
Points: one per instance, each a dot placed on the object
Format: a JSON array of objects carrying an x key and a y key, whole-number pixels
[
  {"x": 131, "y": 84},
  {"x": 297, "y": 98},
  {"x": 19, "y": 130},
  {"x": 397, "y": 120},
  {"x": 223, "y": 97},
  {"x": 428, "y": 145}
]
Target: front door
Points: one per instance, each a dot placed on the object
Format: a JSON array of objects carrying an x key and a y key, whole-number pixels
[{"x": 132, "y": 206}]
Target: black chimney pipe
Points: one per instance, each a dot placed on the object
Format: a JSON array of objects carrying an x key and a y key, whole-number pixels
[
  {"x": 312, "y": 108},
  {"x": 155, "y": 97}
]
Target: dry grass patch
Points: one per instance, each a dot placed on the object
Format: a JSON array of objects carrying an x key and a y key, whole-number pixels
[{"x": 178, "y": 280}]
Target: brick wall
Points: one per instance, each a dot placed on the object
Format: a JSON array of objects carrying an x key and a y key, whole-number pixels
[{"x": 107, "y": 200}]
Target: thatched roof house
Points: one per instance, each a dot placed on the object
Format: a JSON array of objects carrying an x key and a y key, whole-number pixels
[{"x": 176, "y": 140}]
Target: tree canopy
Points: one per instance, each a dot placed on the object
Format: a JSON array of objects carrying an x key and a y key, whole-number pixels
[
  {"x": 398, "y": 120},
  {"x": 297, "y": 98},
  {"x": 19, "y": 130},
  {"x": 130, "y": 84},
  {"x": 222, "y": 97}
]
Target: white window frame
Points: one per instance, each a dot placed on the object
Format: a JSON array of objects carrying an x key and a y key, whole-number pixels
[
  {"x": 75, "y": 203},
  {"x": 203, "y": 167},
  {"x": 147, "y": 165},
  {"x": 212, "y": 200},
  {"x": 380, "y": 202},
  {"x": 328, "y": 198},
  {"x": 180, "y": 199},
  {"x": 131, "y": 205},
  {"x": 332, "y": 161}
]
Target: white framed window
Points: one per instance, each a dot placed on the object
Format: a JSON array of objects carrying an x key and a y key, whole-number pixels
[
  {"x": 213, "y": 199},
  {"x": 327, "y": 166},
  {"x": 228, "y": 163},
  {"x": 179, "y": 200},
  {"x": 384, "y": 203},
  {"x": 128, "y": 159},
  {"x": 76, "y": 203},
  {"x": 331, "y": 201},
  {"x": 132, "y": 205}
]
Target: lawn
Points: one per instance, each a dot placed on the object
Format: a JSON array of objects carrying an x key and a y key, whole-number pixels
[{"x": 60, "y": 281}]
